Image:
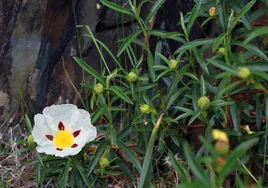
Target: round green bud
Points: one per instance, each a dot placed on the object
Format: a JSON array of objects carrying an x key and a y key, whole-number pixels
[
  {"x": 98, "y": 88},
  {"x": 132, "y": 77},
  {"x": 203, "y": 103},
  {"x": 222, "y": 148},
  {"x": 173, "y": 64},
  {"x": 213, "y": 11},
  {"x": 104, "y": 162},
  {"x": 222, "y": 51},
  {"x": 30, "y": 141},
  {"x": 145, "y": 109},
  {"x": 244, "y": 72}
]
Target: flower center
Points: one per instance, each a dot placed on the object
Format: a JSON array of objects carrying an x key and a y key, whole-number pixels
[{"x": 64, "y": 139}]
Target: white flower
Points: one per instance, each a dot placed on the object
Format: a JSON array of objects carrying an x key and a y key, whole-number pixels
[{"x": 62, "y": 130}]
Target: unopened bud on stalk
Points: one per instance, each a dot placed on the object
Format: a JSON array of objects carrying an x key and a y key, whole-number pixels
[
  {"x": 30, "y": 141},
  {"x": 103, "y": 162},
  {"x": 145, "y": 109},
  {"x": 98, "y": 88},
  {"x": 203, "y": 103},
  {"x": 244, "y": 73},
  {"x": 213, "y": 11},
  {"x": 132, "y": 77},
  {"x": 222, "y": 51},
  {"x": 173, "y": 64}
]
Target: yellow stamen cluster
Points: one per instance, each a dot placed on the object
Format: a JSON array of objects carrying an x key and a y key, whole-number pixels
[{"x": 63, "y": 139}]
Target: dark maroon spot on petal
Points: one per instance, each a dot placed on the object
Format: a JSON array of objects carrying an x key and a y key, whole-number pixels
[
  {"x": 50, "y": 137},
  {"x": 59, "y": 149},
  {"x": 76, "y": 133},
  {"x": 74, "y": 145},
  {"x": 61, "y": 126}
]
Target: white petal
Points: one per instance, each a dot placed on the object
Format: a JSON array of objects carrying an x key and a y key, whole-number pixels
[
  {"x": 56, "y": 113},
  {"x": 52, "y": 150},
  {"x": 80, "y": 118},
  {"x": 83, "y": 123},
  {"x": 40, "y": 130},
  {"x": 86, "y": 135}
]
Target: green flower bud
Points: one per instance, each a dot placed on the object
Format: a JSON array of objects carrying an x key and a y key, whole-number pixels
[
  {"x": 98, "y": 88},
  {"x": 30, "y": 141},
  {"x": 213, "y": 11},
  {"x": 222, "y": 51},
  {"x": 222, "y": 148},
  {"x": 132, "y": 77},
  {"x": 244, "y": 73},
  {"x": 203, "y": 103},
  {"x": 103, "y": 162},
  {"x": 145, "y": 109},
  {"x": 173, "y": 64}
]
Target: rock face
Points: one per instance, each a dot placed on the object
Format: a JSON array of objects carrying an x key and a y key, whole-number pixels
[
  {"x": 38, "y": 39},
  {"x": 20, "y": 41}
]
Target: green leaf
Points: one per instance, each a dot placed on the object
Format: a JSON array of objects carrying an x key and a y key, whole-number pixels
[
  {"x": 223, "y": 66},
  {"x": 242, "y": 12},
  {"x": 127, "y": 41},
  {"x": 125, "y": 132},
  {"x": 194, "y": 165},
  {"x": 83, "y": 174},
  {"x": 162, "y": 57},
  {"x": 141, "y": 88},
  {"x": 179, "y": 168},
  {"x": 218, "y": 42},
  {"x": 193, "y": 44},
  {"x": 113, "y": 138},
  {"x": 162, "y": 74},
  {"x": 183, "y": 109},
  {"x": 164, "y": 34},
  {"x": 261, "y": 74},
  {"x": 154, "y": 10},
  {"x": 19, "y": 151},
  {"x": 90, "y": 70},
  {"x": 193, "y": 16},
  {"x": 63, "y": 178},
  {"x": 259, "y": 31},
  {"x": 28, "y": 123},
  {"x": 148, "y": 154},
  {"x": 117, "y": 7},
  {"x": 172, "y": 99},
  {"x": 222, "y": 14},
  {"x": 219, "y": 103},
  {"x": 235, "y": 118},
  {"x": 196, "y": 115},
  {"x": 253, "y": 49},
  {"x": 130, "y": 155},
  {"x": 90, "y": 35},
  {"x": 150, "y": 64},
  {"x": 99, "y": 112},
  {"x": 190, "y": 113},
  {"x": 200, "y": 60},
  {"x": 203, "y": 86},
  {"x": 120, "y": 94}
]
